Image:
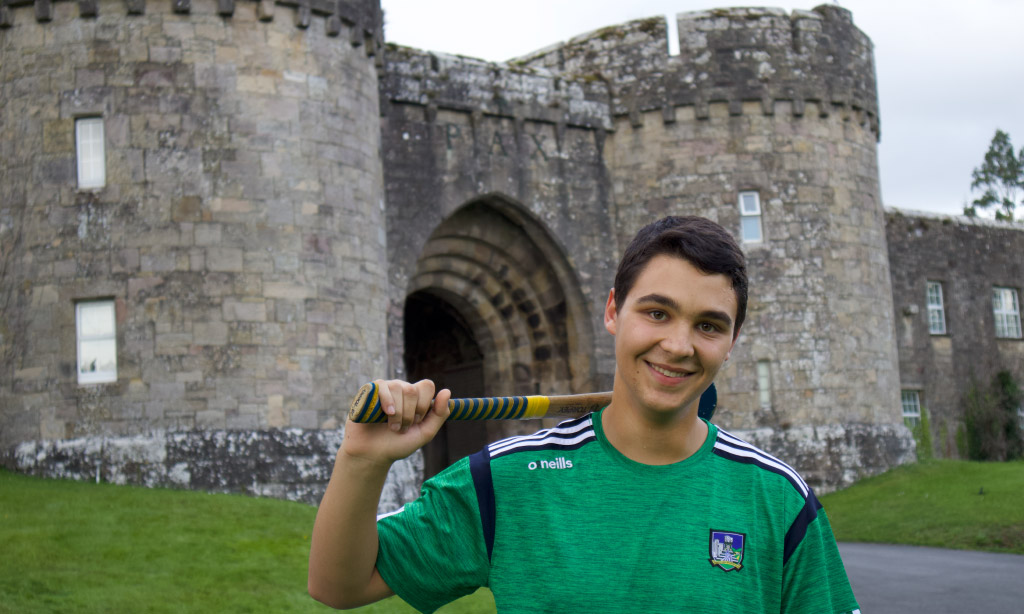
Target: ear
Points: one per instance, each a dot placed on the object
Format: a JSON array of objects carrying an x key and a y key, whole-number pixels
[
  {"x": 735, "y": 336},
  {"x": 610, "y": 313}
]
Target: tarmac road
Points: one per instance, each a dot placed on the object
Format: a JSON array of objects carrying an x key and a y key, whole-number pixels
[{"x": 905, "y": 579}]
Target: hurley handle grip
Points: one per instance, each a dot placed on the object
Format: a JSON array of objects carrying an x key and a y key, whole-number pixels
[{"x": 366, "y": 407}]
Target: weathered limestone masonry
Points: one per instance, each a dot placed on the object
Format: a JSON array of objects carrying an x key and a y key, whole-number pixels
[
  {"x": 240, "y": 232},
  {"x": 968, "y": 257},
  {"x": 498, "y": 211}
]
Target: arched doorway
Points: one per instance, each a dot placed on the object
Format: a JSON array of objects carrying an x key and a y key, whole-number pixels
[
  {"x": 494, "y": 308},
  {"x": 439, "y": 345}
]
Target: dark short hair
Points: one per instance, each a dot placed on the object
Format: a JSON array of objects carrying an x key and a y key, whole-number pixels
[{"x": 699, "y": 241}]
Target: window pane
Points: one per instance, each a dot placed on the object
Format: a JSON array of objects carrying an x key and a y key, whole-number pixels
[
  {"x": 936, "y": 313},
  {"x": 751, "y": 228},
  {"x": 1006, "y": 310},
  {"x": 764, "y": 383},
  {"x": 98, "y": 356},
  {"x": 90, "y": 149},
  {"x": 749, "y": 204},
  {"x": 911, "y": 407},
  {"x": 96, "y": 319},
  {"x": 97, "y": 342}
]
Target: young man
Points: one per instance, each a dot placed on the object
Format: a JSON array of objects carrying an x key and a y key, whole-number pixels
[{"x": 642, "y": 507}]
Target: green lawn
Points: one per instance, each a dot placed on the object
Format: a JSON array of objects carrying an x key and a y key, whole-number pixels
[
  {"x": 74, "y": 547},
  {"x": 78, "y": 547},
  {"x": 947, "y": 504}
]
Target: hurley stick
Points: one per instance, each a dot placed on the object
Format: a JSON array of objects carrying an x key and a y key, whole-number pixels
[{"x": 366, "y": 406}]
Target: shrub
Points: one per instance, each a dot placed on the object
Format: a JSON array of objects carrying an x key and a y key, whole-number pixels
[{"x": 993, "y": 430}]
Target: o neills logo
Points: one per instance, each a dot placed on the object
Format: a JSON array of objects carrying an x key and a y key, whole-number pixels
[{"x": 558, "y": 463}]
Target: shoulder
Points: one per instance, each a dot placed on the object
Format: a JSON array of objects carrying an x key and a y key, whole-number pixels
[
  {"x": 735, "y": 450},
  {"x": 568, "y": 435}
]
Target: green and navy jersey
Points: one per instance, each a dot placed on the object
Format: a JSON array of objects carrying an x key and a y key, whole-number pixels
[{"x": 560, "y": 521}]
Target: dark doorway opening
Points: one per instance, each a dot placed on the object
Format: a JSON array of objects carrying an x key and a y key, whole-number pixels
[{"x": 439, "y": 345}]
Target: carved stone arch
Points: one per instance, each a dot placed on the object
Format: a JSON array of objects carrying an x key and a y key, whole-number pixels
[{"x": 510, "y": 282}]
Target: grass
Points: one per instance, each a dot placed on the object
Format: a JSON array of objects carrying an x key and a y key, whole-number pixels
[
  {"x": 941, "y": 503},
  {"x": 75, "y": 547}
]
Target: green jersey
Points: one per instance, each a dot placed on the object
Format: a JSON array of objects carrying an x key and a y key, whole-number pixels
[{"x": 560, "y": 521}]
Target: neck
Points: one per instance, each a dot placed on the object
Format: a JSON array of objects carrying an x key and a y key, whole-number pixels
[{"x": 653, "y": 440}]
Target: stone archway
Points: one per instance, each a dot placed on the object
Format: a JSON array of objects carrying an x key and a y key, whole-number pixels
[
  {"x": 497, "y": 279},
  {"x": 440, "y": 346}
]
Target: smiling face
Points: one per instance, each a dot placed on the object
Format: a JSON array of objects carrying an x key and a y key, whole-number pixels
[{"x": 673, "y": 331}]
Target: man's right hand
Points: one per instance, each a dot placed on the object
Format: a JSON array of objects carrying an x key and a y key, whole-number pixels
[
  {"x": 414, "y": 417},
  {"x": 343, "y": 550}
]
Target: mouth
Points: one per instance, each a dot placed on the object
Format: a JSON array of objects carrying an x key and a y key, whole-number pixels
[{"x": 668, "y": 372}]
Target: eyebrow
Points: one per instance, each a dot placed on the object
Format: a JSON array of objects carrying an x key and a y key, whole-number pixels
[{"x": 661, "y": 299}]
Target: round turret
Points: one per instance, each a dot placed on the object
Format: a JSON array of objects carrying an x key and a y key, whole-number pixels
[
  {"x": 200, "y": 182},
  {"x": 767, "y": 122}
]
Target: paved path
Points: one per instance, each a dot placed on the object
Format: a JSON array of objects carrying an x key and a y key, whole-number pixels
[{"x": 907, "y": 579}]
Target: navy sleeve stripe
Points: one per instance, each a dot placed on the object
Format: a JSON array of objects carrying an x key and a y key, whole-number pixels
[
  {"x": 763, "y": 463},
  {"x": 798, "y": 529},
  {"x": 480, "y": 469}
]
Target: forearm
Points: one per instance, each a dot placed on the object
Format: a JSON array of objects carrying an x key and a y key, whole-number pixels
[{"x": 343, "y": 551}]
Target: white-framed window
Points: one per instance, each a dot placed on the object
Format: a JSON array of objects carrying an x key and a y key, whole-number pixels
[
  {"x": 936, "y": 308},
  {"x": 1006, "y": 308},
  {"x": 764, "y": 384},
  {"x": 911, "y": 402},
  {"x": 96, "y": 331},
  {"x": 750, "y": 217},
  {"x": 89, "y": 146}
]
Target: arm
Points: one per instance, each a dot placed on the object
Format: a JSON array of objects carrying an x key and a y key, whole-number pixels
[{"x": 343, "y": 552}]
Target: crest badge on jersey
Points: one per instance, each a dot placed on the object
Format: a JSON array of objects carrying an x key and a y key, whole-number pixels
[{"x": 726, "y": 549}]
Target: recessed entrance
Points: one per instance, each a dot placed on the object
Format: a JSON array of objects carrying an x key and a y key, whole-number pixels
[
  {"x": 494, "y": 309},
  {"x": 439, "y": 345}
]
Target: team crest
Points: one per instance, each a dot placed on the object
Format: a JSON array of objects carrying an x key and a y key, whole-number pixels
[{"x": 726, "y": 549}]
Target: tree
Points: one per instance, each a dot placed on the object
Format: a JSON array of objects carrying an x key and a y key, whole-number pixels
[{"x": 1001, "y": 177}]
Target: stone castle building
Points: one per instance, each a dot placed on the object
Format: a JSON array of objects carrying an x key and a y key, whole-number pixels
[{"x": 219, "y": 218}]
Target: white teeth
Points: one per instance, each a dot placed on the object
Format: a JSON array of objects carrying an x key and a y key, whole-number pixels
[{"x": 666, "y": 372}]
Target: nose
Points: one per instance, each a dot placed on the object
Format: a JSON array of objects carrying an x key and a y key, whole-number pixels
[{"x": 678, "y": 341}]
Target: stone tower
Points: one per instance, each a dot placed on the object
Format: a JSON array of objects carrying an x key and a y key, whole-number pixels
[
  {"x": 782, "y": 106},
  {"x": 238, "y": 231}
]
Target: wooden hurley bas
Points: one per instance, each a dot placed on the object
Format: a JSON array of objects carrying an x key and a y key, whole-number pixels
[{"x": 366, "y": 406}]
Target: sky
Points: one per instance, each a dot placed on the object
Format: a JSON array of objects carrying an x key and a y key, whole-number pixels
[{"x": 949, "y": 72}]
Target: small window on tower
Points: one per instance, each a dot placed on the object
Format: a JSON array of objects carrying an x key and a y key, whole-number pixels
[
  {"x": 764, "y": 384},
  {"x": 92, "y": 167},
  {"x": 95, "y": 326},
  {"x": 750, "y": 217}
]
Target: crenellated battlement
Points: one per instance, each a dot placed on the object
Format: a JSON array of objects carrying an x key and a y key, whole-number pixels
[
  {"x": 360, "y": 18},
  {"x": 458, "y": 83},
  {"x": 729, "y": 56}
]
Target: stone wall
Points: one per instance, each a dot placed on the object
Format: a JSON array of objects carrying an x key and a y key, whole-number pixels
[
  {"x": 291, "y": 464},
  {"x": 968, "y": 257},
  {"x": 523, "y": 148},
  {"x": 239, "y": 231}
]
